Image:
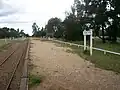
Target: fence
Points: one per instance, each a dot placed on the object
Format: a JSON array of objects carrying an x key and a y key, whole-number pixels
[{"x": 105, "y": 51}]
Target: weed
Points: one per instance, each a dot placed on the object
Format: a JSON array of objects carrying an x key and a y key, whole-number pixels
[{"x": 34, "y": 80}]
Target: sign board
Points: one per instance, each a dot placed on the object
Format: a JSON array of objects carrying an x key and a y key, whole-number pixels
[{"x": 87, "y": 32}]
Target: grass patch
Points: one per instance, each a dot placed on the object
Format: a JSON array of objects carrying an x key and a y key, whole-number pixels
[
  {"x": 2, "y": 42},
  {"x": 87, "y": 52},
  {"x": 34, "y": 80},
  {"x": 4, "y": 45},
  {"x": 108, "y": 62},
  {"x": 69, "y": 51}
]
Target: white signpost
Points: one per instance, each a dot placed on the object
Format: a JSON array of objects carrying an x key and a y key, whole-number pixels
[{"x": 85, "y": 33}]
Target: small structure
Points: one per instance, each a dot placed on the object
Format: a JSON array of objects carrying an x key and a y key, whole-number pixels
[
  {"x": 50, "y": 35},
  {"x": 85, "y": 33}
]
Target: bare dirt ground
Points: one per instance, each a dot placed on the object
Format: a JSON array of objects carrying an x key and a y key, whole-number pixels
[{"x": 67, "y": 71}]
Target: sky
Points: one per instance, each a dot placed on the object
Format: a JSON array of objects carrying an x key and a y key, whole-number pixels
[{"x": 22, "y": 13}]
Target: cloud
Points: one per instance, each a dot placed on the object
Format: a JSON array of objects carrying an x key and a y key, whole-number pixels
[
  {"x": 7, "y": 12},
  {"x": 8, "y": 7},
  {"x": 22, "y": 13},
  {"x": 1, "y": 4}
]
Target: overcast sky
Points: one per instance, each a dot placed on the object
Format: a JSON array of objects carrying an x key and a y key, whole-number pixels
[{"x": 31, "y": 11}]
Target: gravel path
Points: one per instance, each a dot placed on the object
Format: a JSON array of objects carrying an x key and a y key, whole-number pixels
[{"x": 67, "y": 71}]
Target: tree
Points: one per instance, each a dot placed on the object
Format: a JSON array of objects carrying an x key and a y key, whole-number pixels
[
  {"x": 54, "y": 26},
  {"x": 35, "y": 29},
  {"x": 106, "y": 18},
  {"x": 42, "y": 32},
  {"x": 6, "y": 32},
  {"x": 95, "y": 13},
  {"x": 113, "y": 14},
  {"x": 3, "y": 33},
  {"x": 74, "y": 24},
  {"x": 27, "y": 35},
  {"x": 22, "y": 34},
  {"x": 102, "y": 16}
]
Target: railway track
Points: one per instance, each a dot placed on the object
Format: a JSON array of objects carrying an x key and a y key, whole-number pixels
[
  {"x": 11, "y": 68},
  {"x": 7, "y": 50}
]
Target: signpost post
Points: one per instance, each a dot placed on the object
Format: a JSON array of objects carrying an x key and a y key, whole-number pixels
[{"x": 85, "y": 33}]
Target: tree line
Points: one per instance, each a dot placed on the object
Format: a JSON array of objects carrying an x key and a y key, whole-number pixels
[
  {"x": 6, "y": 32},
  {"x": 102, "y": 16}
]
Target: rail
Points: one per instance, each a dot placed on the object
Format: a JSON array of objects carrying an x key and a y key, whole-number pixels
[
  {"x": 8, "y": 85},
  {"x": 6, "y": 58},
  {"x": 15, "y": 69}
]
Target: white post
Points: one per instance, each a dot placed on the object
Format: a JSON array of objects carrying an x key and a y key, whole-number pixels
[
  {"x": 84, "y": 42},
  {"x": 91, "y": 43}
]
